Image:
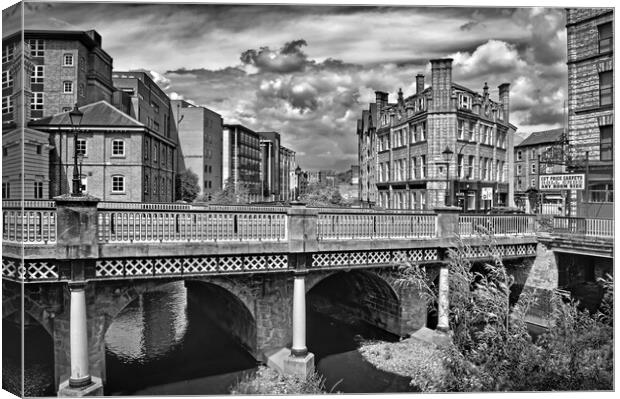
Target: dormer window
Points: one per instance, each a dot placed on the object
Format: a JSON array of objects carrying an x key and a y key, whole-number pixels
[{"x": 464, "y": 101}]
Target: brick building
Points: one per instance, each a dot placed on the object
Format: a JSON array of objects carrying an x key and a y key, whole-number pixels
[
  {"x": 116, "y": 165},
  {"x": 402, "y": 146},
  {"x": 527, "y": 168},
  {"x": 590, "y": 106},
  {"x": 200, "y": 133},
  {"x": 241, "y": 160},
  {"x": 45, "y": 74}
]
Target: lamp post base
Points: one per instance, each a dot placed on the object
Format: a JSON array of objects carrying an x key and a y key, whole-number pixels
[
  {"x": 300, "y": 366},
  {"x": 95, "y": 388}
]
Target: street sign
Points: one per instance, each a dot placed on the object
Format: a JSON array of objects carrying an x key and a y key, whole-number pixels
[
  {"x": 562, "y": 182},
  {"x": 487, "y": 193}
]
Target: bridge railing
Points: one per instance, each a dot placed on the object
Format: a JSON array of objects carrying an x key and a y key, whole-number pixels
[
  {"x": 334, "y": 225},
  {"x": 125, "y": 226},
  {"x": 589, "y": 227},
  {"x": 470, "y": 225},
  {"x": 29, "y": 226}
]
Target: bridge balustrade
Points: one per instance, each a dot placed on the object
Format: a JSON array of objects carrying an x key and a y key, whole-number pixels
[
  {"x": 335, "y": 225},
  {"x": 471, "y": 225},
  {"x": 34, "y": 224},
  {"x": 589, "y": 227}
]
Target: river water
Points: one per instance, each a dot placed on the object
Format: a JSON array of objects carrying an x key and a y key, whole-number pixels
[{"x": 162, "y": 344}]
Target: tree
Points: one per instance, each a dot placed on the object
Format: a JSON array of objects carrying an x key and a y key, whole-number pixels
[
  {"x": 322, "y": 196},
  {"x": 187, "y": 188},
  {"x": 229, "y": 196}
]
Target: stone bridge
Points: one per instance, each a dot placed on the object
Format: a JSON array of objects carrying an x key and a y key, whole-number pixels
[{"x": 84, "y": 261}]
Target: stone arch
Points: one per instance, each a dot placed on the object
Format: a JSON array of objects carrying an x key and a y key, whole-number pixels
[
  {"x": 40, "y": 303},
  {"x": 357, "y": 295}
]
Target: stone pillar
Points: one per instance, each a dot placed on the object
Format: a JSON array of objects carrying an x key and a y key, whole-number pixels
[
  {"x": 303, "y": 226},
  {"x": 80, "y": 382},
  {"x": 443, "y": 305},
  {"x": 300, "y": 362},
  {"x": 447, "y": 221},
  {"x": 299, "y": 348}
]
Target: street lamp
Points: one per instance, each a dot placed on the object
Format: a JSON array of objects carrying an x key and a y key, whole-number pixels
[
  {"x": 75, "y": 116},
  {"x": 298, "y": 174},
  {"x": 447, "y": 155}
]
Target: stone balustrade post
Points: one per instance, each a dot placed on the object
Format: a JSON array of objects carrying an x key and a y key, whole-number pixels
[
  {"x": 303, "y": 227},
  {"x": 447, "y": 221},
  {"x": 77, "y": 249}
]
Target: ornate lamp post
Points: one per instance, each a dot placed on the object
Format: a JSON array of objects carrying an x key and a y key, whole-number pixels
[
  {"x": 76, "y": 120},
  {"x": 447, "y": 155}
]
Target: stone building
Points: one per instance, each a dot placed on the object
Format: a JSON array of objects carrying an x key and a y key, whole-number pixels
[
  {"x": 528, "y": 167},
  {"x": 288, "y": 180},
  {"x": 200, "y": 133},
  {"x": 591, "y": 106},
  {"x": 241, "y": 160},
  {"x": 406, "y": 146},
  {"x": 115, "y": 163}
]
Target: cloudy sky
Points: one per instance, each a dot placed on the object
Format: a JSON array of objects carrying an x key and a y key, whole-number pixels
[{"x": 308, "y": 71}]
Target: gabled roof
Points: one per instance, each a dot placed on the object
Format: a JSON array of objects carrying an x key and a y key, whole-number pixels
[
  {"x": 544, "y": 137},
  {"x": 100, "y": 113}
]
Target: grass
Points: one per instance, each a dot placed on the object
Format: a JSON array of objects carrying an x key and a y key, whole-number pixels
[{"x": 269, "y": 382}]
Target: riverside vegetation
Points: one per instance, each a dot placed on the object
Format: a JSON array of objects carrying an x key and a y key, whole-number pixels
[{"x": 491, "y": 348}]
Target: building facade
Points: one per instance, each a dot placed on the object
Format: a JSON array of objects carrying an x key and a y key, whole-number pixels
[
  {"x": 445, "y": 144},
  {"x": 141, "y": 98},
  {"x": 241, "y": 160},
  {"x": 288, "y": 181},
  {"x": 200, "y": 144},
  {"x": 270, "y": 165},
  {"x": 115, "y": 164},
  {"x": 528, "y": 167},
  {"x": 591, "y": 106}
]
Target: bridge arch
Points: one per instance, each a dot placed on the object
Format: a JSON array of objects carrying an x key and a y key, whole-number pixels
[{"x": 356, "y": 295}]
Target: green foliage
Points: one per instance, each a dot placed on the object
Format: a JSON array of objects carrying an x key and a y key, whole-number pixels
[
  {"x": 269, "y": 382},
  {"x": 317, "y": 195},
  {"x": 187, "y": 187},
  {"x": 492, "y": 349},
  {"x": 230, "y": 196}
]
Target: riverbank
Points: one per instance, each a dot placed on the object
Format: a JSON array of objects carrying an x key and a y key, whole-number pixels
[{"x": 413, "y": 358}]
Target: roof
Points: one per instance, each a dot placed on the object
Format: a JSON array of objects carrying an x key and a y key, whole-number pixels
[
  {"x": 100, "y": 113},
  {"x": 544, "y": 137}
]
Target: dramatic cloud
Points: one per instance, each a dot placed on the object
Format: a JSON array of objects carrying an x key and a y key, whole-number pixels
[{"x": 308, "y": 71}]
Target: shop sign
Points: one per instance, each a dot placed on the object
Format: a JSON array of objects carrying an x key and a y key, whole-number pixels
[
  {"x": 562, "y": 182},
  {"x": 487, "y": 193}
]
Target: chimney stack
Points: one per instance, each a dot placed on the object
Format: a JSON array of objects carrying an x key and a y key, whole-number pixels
[
  {"x": 504, "y": 98},
  {"x": 381, "y": 98},
  {"x": 419, "y": 83},
  {"x": 441, "y": 80}
]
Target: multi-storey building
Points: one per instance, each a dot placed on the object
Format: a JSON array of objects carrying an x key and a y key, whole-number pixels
[
  {"x": 44, "y": 73},
  {"x": 444, "y": 144},
  {"x": 590, "y": 105},
  {"x": 142, "y": 99},
  {"x": 270, "y": 165},
  {"x": 241, "y": 160},
  {"x": 528, "y": 167},
  {"x": 200, "y": 144},
  {"x": 287, "y": 174},
  {"x": 65, "y": 68},
  {"x": 115, "y": 162}
]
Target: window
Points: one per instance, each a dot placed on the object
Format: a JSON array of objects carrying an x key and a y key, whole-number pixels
[
  {"x": 423, "y": 131},
  {"x": 7, "y": 79},
  {"x": 607, "y": 143},
  {"x": 7, "y": 53},
  {"x": 533, "y": 154},
  {"x": 7, "y": 105},
  {"x": 606, "y": 88},
  {"x": 533, "y": 168},
  {"x": 155, "y": 151},
  {"x": 483, "y": 165},
  {"x": 146, "y": 149},
  {"x": 423, "y": 167},
  {"x": 82, "y": 64},
  {"x": 81, "y": 147},
  {"x": 39, "y": 149},
  {"x": 519, "y": 170},
  {"x": 533, "y": 182},
  {"x": 36, "y": 102},
  {"x": 470, "y": 167},
  {"x": 6, "y": 190},
  {"x": 118, "y": 184},
  {"x": 146, "y": 184},
  {"x": 84, "y": 183},
  {"x": 155, "y": 107},
  {"x": 81, "y": 90},
  {"x": 37, "y": 48},
  {"x": 414, "y": 168},
  {"x": 67, "y": 87},
  {"x": 464, "y": 101},
  {"x": 519, "y": 155},
  {"x": 37, "y": 74},
  {"x": 156, "y": 126},
  {"x": 460, "y": 127},
  {"x": 118, "y": 148},
  {"x": 605, "y": 37},
  {"x": 67, "y": 60},
  {"x": 601, "y": 193},
  {"x": 461, "y": 166}
]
